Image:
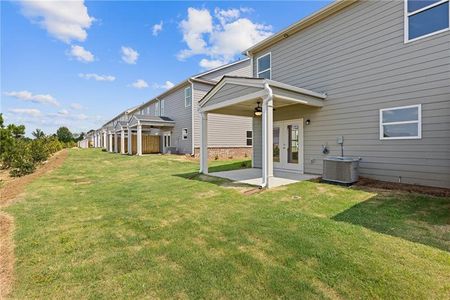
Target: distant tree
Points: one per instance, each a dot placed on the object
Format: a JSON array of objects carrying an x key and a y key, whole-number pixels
[
  {"x": 64, "y": 135},
  {"x": 1, "y": 121},
  {"x": 18, "y": 131},
  {"x": 38, "y": 134}
]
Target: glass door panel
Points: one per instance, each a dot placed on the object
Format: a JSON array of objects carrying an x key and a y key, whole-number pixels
[
  {"x": 276, "y": 144},
  {"x": 293, "y": 144}
]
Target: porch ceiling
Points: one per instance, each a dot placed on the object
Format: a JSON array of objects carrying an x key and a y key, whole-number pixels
[{"x": 239, "y": 96}]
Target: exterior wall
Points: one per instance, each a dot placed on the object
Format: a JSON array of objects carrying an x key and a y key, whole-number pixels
[
  {"x": 175, "y": 109},
  {"x": 359, "y": 58},
  {"x": 242, "y": 69},
  {"x": 224, "y": 131},
  {"x": 226, "y": 153}
]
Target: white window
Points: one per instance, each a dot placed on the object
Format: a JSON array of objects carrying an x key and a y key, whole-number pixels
[
  {"x": 187, "y": 96},
  {"x": 401, "y": 122},
  {"x": 162, "y": 107},
  {"x": 264, "y": 66},
  {"x": 157, "y": 108},
  {"x": 184, "y": 133},
  {"x": 425, "y": 17},
  {"x": 166, "y": 140},
  {"x": 249, "y": 138}
]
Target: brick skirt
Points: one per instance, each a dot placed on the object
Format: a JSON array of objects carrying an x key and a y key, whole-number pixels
[{"x": 226, "y": 152}]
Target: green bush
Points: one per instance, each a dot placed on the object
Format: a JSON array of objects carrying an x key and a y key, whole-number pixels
[
  {"x": 21, "y": 154},
  {"x": 22, "y": 162}
]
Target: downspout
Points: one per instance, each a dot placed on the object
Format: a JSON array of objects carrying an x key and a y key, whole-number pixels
[
  {"x": 192, "y": 118},
  {"x": 267, "y": 102}
]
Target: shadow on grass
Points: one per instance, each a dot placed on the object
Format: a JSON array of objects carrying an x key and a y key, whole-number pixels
[
  {"x": 223, "y": 166},
  {"x": 414, "y": 217},
  {"x": 229, "y": 166}
]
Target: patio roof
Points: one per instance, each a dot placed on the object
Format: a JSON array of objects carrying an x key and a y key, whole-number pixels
[
  {"x": 238, "y": 95},
  {"x": 153, "y": 121},
  {"x": 121, "y": 125}
]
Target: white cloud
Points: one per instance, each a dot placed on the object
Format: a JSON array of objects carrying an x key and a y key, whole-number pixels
[
  {"x": 97, "y": 77},
  {"x": 207, "y": 64},
  {"x": 81, "y": 54},
  {"x": 166, "y": 86},
  {"x": 32, "y": 112},
  {"x": 65, "y": 20},
  {"x": 63, "y": 112},
  {"x": 221, "y": 38},
  {"x": 157, "y": 28},
  {"x": 199, "y": 22},
  {"x": 76, "y": 106},
  {"x": 129, "y": 55},
  {"x": 28, "y": 96},
  {"x": 139, "y": 84}
]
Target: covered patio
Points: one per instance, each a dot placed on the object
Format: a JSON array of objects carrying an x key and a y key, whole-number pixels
[
  {"x": 146, "y": 133},
  {"x": 278, "y": 154},
  {"x": 252, "y": 176}
]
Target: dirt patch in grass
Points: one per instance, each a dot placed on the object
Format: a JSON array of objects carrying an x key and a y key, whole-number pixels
[
  {"x": 9, "y": 192},
  {"x": 6, "y": 254},
  {"x": 412, "y": 188}
]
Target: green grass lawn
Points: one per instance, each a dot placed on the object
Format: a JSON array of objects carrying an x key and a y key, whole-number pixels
[{"x": 112, "y": 226}]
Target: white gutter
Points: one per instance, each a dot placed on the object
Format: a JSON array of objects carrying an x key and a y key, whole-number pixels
[
  {"x": 192, "y": 118},
  {"x": 266, "y": 121}
]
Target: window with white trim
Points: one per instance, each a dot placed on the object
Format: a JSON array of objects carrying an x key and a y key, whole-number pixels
[
  {"x": 157, "y": 112},
  {"x": 249, "y": 138},
  {"x": 264, "y": 66},
  {"x": 167, "y": 140},
  {"x": 184, "y": 134},
  {"x": 162, "y": 107},
  {"x": 401, "y": 122},
  {"x": 425, "y": 17},
  {"x": 187, "y": 96}
]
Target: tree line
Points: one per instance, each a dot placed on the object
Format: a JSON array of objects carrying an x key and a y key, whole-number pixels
[{"x": 21, "y": 155}]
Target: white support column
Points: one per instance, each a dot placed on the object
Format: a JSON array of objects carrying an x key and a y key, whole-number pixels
[
  {"x": 116, "y": 144},
  {"x": 104, "y": 140},
  {"x": 122, "y": 141},
  {"x": 110, "y": 144},
  {"x": 267, "y": 138},
  {"x": 139, "y": 139},
  {"x": 130, "y": 136},
  {"x": 204, "y": 143}
]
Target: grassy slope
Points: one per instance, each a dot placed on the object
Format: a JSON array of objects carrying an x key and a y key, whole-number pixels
[{"x": 106, "y": 225}]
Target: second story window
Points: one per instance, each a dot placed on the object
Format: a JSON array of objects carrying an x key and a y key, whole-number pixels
[
  {"x": 157, "y": 108},
  {"x": 425, "y": 18},
  {"x": 187, "y": 96},
  {"x": 264, "y": 66}
]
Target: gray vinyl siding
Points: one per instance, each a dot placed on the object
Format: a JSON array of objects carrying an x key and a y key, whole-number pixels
[
  {"x": 175, "y": 109},
  {"x": 358, "y": 57},
  {"x": 242, "y": 69},
  {"x": 223, "y": 130},
  {"x": 257, "y": 142}
]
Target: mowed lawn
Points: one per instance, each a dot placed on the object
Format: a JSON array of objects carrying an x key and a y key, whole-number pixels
[{"x": 111, "y": 226}]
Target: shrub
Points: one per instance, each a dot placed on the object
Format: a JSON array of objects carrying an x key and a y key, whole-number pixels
[
  {"x": 22, "y": 162},
  {"x": 39, "y": 150}
]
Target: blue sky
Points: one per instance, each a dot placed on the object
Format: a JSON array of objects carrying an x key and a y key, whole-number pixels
[{"x": 82, "y": 63}]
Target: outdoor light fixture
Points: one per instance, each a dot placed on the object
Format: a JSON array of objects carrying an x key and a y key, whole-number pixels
[
  {"x": 258, "y": 110},
  {"x": 308, "y": 122}
]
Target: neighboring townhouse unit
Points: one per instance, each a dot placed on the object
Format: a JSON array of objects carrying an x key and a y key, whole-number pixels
[
  {"x": 375, "y": 74},
  {"x": 108, "y": 136},
  {"x": 170, "y": 122}
]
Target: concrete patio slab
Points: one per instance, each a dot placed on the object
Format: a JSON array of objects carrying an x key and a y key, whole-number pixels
[{"x": 253, "y": 176}]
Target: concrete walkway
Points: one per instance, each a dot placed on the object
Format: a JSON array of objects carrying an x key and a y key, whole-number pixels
[{"x": 252, "y": 176}]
